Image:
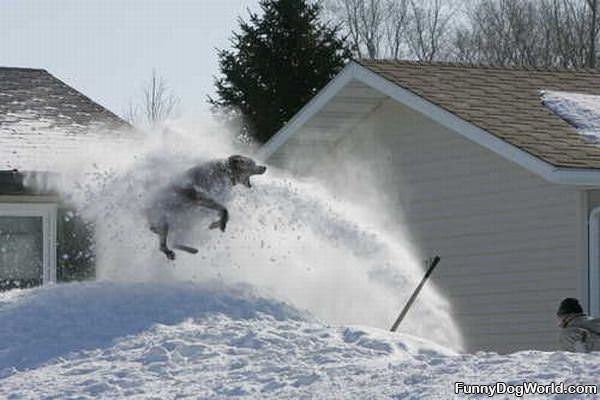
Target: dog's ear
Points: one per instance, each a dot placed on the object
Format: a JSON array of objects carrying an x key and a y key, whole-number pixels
[{"x": 236, "y": 162}]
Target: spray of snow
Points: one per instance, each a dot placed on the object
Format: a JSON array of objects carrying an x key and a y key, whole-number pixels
[
  {"x": 288, "y": 238},
  {"x": 580, "y": 110}
]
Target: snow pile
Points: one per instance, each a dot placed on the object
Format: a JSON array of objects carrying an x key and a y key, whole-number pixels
[
  {"x": 167, "y": 341},
  {"x": 44, "y": 323},
  {"x": 580, "y": 110}
]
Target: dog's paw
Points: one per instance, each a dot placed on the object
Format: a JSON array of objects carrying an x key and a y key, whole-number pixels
[
  {"x": 218, "y": 224},
  {"x": 170, "y": 254}
]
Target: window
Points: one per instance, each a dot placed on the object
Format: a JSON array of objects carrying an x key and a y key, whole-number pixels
[
  {"x": 75, "y": 247},
  {"x": 27, "y": 244}
]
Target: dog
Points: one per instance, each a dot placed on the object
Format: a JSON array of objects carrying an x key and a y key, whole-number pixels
[{"x": 207, "y": 186}]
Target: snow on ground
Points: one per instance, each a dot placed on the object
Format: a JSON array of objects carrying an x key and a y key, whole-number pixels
[
  {"x": 578, "y": 109},
  {"x": 184, "y": 340}
]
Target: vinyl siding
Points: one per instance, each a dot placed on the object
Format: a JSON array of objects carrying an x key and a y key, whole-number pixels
[{"x": 509, "y": 241}]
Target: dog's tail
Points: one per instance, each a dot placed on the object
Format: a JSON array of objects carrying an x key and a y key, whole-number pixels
[{"x": 188, "y": 249}]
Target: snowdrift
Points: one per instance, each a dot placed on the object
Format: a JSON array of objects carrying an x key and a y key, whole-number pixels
[
  {"x": 44, "y": 323},
  {"x": 179, "y": 340}
]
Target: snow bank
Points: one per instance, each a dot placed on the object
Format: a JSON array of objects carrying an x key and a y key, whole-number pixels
[
  {"x": 40, "y": 324},
  {"x": 578, "y": 109},
  {"x": 171, "y": 341}
]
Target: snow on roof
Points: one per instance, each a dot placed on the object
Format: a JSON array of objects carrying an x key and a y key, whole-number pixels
[
  {"x": 42, "y": 118},
  {"x": 580, "y": 110}
]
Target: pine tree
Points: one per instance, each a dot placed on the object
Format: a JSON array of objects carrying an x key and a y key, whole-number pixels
[{"x": 277, "y": 63}]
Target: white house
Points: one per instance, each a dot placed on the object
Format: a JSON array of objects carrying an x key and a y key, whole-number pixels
[
  {"x": 479, "y": 171},
  {"x": 42, "y": 119}
]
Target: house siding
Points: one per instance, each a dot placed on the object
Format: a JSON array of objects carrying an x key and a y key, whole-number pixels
[{"x": 510, "y": 242}]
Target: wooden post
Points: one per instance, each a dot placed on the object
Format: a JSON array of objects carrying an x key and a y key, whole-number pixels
[{"x": 432, "y": 265}]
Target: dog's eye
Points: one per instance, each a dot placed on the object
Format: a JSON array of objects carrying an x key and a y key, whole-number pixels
[{"x": 240, "y": 162}]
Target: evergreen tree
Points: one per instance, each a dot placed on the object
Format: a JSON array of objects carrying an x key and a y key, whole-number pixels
[{"x": 277, "y": 63}]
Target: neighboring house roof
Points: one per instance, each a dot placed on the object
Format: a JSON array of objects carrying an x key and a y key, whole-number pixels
[
  {"x": 505, "y": 101},
  {"x": 41, "y": 117},
  {"x": 497, "y": 107}
]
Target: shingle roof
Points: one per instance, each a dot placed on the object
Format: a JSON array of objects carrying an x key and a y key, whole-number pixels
[
  {"x": 504, "y": 101},
  {"x": 41, "y": 116}
]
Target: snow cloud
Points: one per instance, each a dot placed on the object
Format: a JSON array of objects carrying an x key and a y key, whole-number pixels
[{"x": 290, "y": 239}]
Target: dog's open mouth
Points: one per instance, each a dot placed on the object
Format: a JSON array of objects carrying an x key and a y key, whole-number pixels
[{"x": 258, "y": 171}]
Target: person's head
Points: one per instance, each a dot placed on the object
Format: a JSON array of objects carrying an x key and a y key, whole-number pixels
[{"x": 568, "y": 309}]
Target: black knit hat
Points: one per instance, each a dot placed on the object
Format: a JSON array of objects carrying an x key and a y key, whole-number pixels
[{"x": 569, "y": 306}]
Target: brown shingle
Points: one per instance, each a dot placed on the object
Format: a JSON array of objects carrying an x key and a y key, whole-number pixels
[{"x": 504, "y": 101}]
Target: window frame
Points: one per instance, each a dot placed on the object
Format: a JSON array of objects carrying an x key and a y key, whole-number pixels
[{"x": 48, "y": 213}]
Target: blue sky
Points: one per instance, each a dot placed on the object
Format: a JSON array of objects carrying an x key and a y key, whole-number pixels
[{"x": 108, "y": 48}]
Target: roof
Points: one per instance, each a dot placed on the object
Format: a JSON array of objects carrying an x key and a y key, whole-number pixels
[
  {"x": 504, "y": 101},
  {"x": 42, "y": 117},
  {"x": 499, "y": 108}
]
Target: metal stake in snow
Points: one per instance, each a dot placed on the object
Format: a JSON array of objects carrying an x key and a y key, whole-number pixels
[{"x": 434, "y": 261}]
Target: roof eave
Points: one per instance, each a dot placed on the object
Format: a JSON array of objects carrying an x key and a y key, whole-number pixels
[
  {"x": 306, "y": 112},
  {"x": 355, "y": 71}
]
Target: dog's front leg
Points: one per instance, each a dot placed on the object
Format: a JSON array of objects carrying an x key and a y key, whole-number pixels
[
  {"x": 223, "y": 213},
  {"x": 222, "y": 222},
  {"x": 202, "y": 199}
]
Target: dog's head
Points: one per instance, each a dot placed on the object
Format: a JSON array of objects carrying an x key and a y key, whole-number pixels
[{"x": 242, "y": 168}]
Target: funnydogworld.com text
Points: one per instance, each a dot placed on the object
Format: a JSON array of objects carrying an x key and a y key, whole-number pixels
[{"x": 522, "y": 389}]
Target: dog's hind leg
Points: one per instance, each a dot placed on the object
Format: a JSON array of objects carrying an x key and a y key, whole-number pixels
[{"x": 162, "y": 233}]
